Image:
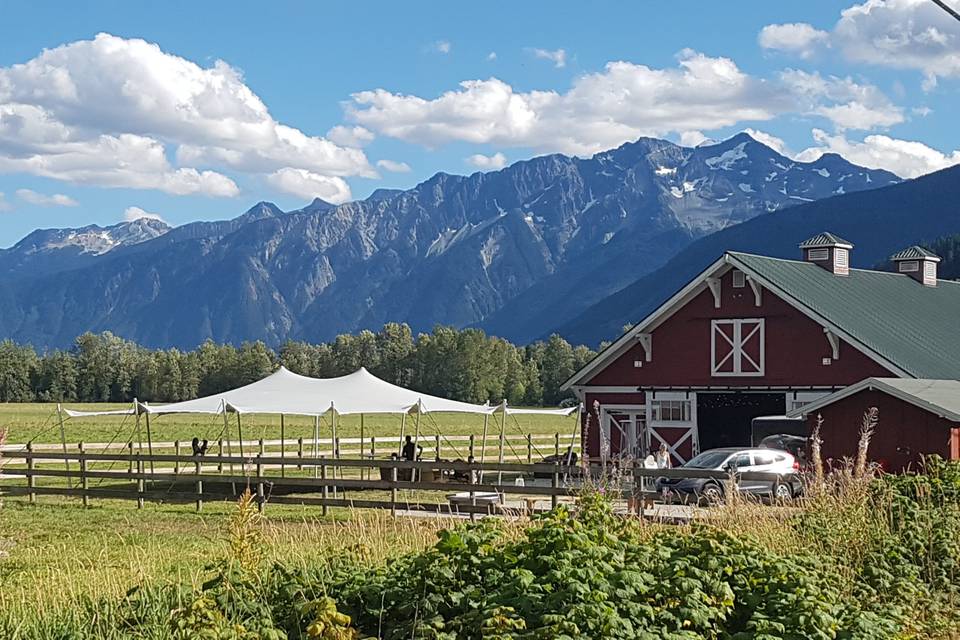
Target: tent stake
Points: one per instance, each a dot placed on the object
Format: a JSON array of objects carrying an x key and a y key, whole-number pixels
[{"x": 63, "y": 441}]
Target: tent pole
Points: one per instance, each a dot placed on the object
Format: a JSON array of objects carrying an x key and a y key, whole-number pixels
[
  {"x": 316, "y": 442},
  {"x": 149, "y": 436},
  {"x": 139, "y": 438},
  {"x": 403, "y": 423},
  {"x": 283, "y": 445},
  {"x": 333, "y": 446},
  {"x": 483, "y": 443},
  {"x": 240, "y": 435},
  {"x": 226, "y": 434},
  {"x": 503, "y": 420},
  {"x": 361, "y": 444},
  {"x": 63, "y": 441},
  {"x": 416, "y": 438}
]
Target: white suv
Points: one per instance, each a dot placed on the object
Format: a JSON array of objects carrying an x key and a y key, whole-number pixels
[{"x": 738, "y": 460}]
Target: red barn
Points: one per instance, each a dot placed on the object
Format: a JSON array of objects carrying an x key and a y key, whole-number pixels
[
  {"x": 753, "y": 335},
  {"x": 917, "y": 416}
]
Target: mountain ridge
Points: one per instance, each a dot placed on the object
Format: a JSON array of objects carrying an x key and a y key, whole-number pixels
[{"x": 496, "y": 250}]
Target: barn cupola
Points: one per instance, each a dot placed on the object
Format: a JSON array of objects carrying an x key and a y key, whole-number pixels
[
  {"x": 918, "y": 263},
  {"x": 828, "y": 251}
]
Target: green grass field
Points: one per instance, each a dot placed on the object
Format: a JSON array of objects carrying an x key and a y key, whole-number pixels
[{"x": 39, "y": 422}]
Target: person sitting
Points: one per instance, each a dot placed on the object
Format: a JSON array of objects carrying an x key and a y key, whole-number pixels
[
  {"x": 203, "y": 447},
  {"x": 195, "y": 445}
]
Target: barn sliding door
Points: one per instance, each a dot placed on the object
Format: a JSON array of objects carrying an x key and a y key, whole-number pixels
[{"x": 737, "y": 347}]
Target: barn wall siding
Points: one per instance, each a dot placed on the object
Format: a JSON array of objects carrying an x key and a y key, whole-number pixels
[
  {"x": 795, "y": 347},
  {"x": 903, "y": 434}
]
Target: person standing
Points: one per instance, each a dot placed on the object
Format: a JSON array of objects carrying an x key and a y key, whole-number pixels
[{"x": 662, "y": 457}]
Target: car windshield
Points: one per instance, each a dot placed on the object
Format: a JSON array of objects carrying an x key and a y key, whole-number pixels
[{"x": 708, "y": 460}]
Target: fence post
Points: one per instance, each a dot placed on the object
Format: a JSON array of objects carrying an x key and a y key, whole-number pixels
[
  {"x": 219, "y": 456},
  {"x": 323, "y": 489},
  {"x": 393, "y": 490},
  {"x": 438, "y": 446},
  {"x": 83, "y": 475},
  {"x": 472, "y": 474},
  {"x": 556, "y": 444},
  {"x": 299, "y": 454},
  {"x": 472, "y": 439},
  {"x": 555, "y": 485},
  {"x": 261, "y": 447},
  {"x": 529, "y": 449},
  {"x": 140, "y": 482},
  {"x": 130, "y": 454},
  {"x": 373, "y": 447},
  {"x": 176, "y": 452},
  {"x": 260, "y": 493},
  {"x": 196, "y": 468},
  {"x": 31, "y": 480}
]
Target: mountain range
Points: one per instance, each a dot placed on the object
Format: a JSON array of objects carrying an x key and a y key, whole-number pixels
[{"x": 518, "y": 252}]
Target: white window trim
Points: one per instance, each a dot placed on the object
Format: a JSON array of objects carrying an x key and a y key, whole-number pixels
[
  {"x": 739, "y": 279},
  {"x": 736, "y": 353},
  {"x": 672, "y": 396}
]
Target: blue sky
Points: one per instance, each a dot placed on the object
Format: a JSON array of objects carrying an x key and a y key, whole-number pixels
[{"x": 198, "y": 110}]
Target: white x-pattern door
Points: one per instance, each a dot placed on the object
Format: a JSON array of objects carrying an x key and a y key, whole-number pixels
[{"x": 737, "y": 347}]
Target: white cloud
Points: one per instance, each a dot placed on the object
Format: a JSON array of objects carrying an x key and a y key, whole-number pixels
[
  {"x": 4, "y": 205},
  {"x": 136, "y": 213},
  {"x": 906, "y": 158},
  {"x": 492, "y": 56},
  {"x": 692, "y": 138},
  {"x": 902, "y": 34},
  {"x": 601, "y": 110},
  {"x": 394, "y": 166},
  {"x": 772, "y": 141},
  {"x": 350, "y": 136},
  {"x": 442, "y": 46},
  {"x": 109, "y": 111},
  {"x": 480, "y": 161},
  {"x": 798, "y": 38},
  {"x": 308, "y": 185},
  {"x": 558, "y": 56},
  {"x": 43, "y": 200},
  {"x": 846, "y": 103}
]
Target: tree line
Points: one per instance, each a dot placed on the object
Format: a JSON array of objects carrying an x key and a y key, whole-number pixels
[{"x": 463, "y": 364}]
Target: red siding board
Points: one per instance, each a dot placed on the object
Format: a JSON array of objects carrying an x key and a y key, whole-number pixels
[
  {"x": 795, "y": 347},
  {"x": 904, "y": 431}
]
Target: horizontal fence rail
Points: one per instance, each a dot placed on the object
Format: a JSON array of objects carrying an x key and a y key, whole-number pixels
[{"x": 468, "y": 487}]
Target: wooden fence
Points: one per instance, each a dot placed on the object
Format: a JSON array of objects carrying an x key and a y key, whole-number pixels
[{"x": 324, "y": 482}]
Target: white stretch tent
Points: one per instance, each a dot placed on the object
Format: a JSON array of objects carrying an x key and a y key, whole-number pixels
[{"x": 285, "y": 392}]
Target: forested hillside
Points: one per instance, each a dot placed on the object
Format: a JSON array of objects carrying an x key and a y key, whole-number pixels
[{"x": 465, "y": 365}]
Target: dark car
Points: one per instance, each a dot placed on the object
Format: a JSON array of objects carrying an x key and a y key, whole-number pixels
[{"x": 735, "y": 459}]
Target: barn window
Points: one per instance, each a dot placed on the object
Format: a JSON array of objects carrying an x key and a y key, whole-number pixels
[
  {"x": 670, "y": 411},
  {"x": 818, "y": 254},
  {"x": 737, "y": 347},
  {"x": 739, "y": 279}
]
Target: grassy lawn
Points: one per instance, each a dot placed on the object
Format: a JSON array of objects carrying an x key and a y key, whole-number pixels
[{"x": 56, "y": 554}]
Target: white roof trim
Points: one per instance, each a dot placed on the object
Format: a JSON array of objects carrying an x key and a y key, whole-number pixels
[{"x": 880, "y": 384}]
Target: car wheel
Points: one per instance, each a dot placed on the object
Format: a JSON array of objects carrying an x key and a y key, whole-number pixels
[
  {"x": 712, "y": 494},
  {"x": 782, "y": 491}
]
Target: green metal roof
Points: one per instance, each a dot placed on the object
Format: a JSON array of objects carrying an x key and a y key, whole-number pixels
[
  {"x": 914, "y": 327},
  {"x": 915, "y": 252},
  {"x": 825, "y": 239}
]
